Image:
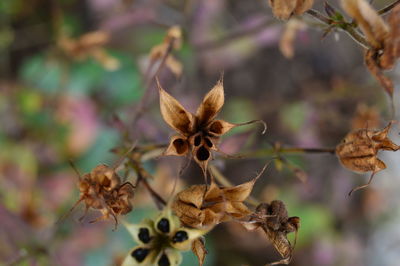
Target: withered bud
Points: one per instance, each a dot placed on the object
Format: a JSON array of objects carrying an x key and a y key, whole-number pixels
[
  {"x": 284, "y": 9},
  {"x": 274, "y": 220}
]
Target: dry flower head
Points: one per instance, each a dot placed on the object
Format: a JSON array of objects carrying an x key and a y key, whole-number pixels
[
  {"x": 383, "y": 38},
  {"x": 103, "y": 190},
  {"x": 284, "y": 9},
  {"x": 359, "y": 149},
  {"x": 201, "y": 206},
  {"x": 89, "y": 45},
  {"x": 198, "y": 133},
  {"x": 274, "y": 220}
]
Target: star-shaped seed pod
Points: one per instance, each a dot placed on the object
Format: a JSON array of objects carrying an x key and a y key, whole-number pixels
[
  {"x": 274, "y": 220},
  {"x": 284, "y": 9},
  {"x": 201, "y": 206},
  {"x": 384, "y": 39},
  {"x": 103, "y": 190},
  {"x": 358, "y": 151},
  {"x": 160, "y": 242},
  {"x": 198, "y": 133}
]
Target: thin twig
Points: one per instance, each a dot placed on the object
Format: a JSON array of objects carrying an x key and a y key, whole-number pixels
[
  {"x": 386, "y": 9},
  {"x": 348, "y": 29},
  {"x": 294, "y": 150}
]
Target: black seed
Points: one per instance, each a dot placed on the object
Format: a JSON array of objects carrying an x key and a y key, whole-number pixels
[
  {"x": 140, "y": 254},
  {"x": 197, "y": 140},
  {"x": 202, "y": 154},
  {"x": 164, "y": 261},
  {"x": 163, "y": 225},
  {"x": 180, "y": 236},
  {"x": 144, "y": 235}
]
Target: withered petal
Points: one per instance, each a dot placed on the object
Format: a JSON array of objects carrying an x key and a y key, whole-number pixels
[
  {"x": 375, "y": 70},
  {"x": 193, "y": 195},
  {"x": 211, "y": 105},
  {"x": 174, "y": 114},
  {"x": 199, "y": 249}
]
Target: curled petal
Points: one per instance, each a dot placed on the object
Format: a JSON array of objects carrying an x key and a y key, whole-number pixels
[
  {"x": 211, "y": 105},
  {"x": 178, "y": 146},
  {"x": 373, "y": 67},
  {"x": 369, "y": 21},
  {"x": 193, "y": 195},
  {"x": 188, "y": 214},
  {"x": 174, "y": 114}
]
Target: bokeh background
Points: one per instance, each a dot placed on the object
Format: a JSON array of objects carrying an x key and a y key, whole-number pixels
[{"x": 57, "y": 106}]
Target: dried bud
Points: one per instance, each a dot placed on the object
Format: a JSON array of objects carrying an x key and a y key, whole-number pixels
[
  {"x": 199, "y": 133},
  {"x": 284, "y": 9},
  {"x": 273, "y": 219},
  {"x": 359, "y": 150}
]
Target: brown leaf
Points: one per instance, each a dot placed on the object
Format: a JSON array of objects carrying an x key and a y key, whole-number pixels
[
  {"x": 174, "y": 114},
  {"x": 211, "y": 105},
  {"x": 375, "y": 70},
  {"x": 199, "y": 249},
  {"x": 372, "y": 25}
]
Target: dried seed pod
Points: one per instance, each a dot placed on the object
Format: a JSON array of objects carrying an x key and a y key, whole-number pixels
[
  {"x": 359, "y": 151},
  {"x": 284, "y": 9},
  {"x": 160, "y": 241},
  {"x": 274, "y": 220},
  {"x": 101, "y": 189},
  {"x": 199, "y": 133},
  {"x": 200, "y": 206}
]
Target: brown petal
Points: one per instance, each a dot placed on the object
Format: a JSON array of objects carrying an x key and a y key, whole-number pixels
[
  {"x": 174, "y": 113},
  {"x": 174, "y": 65},
  {"x": 392, "y": 43},
  {"x": 211, "y": 105},
  {"x": 193, "y": 195},
  {"x": 302, "y": 6},
  {"x": 177, "y": 146},
  {"x": 199, "y": 249},
  {"x": 286, "y": 43},
  {"x": 188, "y": 214},
  {"x": 282, "y": 9},
  {"x": 375, "y": 70},
  {"x": 369, "y": 21}
]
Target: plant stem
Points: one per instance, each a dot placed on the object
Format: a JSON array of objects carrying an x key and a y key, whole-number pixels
[
  {"x": 274, "y": 151},
  {"x": 387, "y": 8},
  {"x": 348, "y": 29}
]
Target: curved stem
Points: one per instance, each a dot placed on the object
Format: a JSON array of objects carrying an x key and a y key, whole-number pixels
[{"x": 387, "y": 8}]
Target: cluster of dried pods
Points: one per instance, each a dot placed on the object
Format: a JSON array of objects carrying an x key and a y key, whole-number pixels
[{"x": 198, "y": 209}]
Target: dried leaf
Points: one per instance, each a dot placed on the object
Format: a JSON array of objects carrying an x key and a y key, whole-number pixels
[
  {"x": 375, "y": 70},
  {"x": 211, "y": 105},
  {"x": 372, "y": 25},
  {"x": 199, "y": 249},
  {"x": 174, "y": 114}
]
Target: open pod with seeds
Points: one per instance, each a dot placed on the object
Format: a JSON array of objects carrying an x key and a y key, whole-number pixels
[
  {"x": 384, "y": 39},
  {"x": 160, "y": 241},
  {"x": 198, "y": 134},
  {"x": 201, "y": 206},
  {"x": 359, "y": 150},
  {"x": 103, "y": 190},
  {"x": 284, "y": 9},
  {"x": 274, "y": 220}
]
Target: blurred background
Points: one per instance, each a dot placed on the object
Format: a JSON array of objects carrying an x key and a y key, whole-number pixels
[{"x": 69, "y": 68}]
